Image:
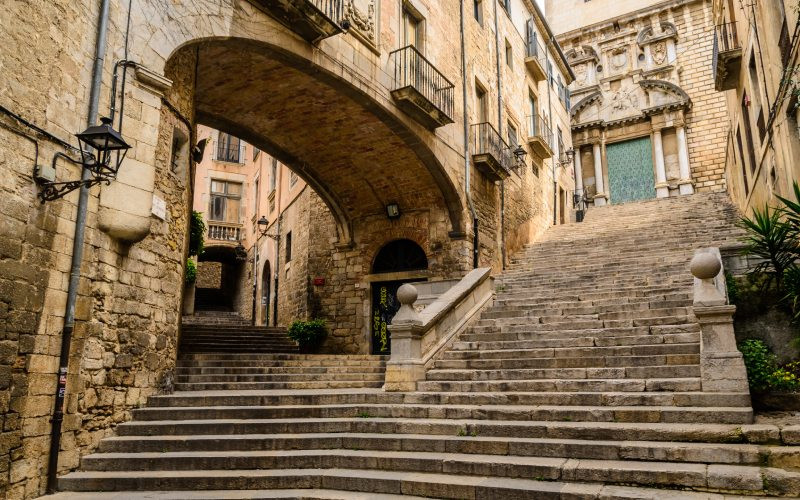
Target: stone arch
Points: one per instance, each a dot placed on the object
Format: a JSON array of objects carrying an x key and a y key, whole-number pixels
[
  {"x": 391, "y": 159},
  {"x": 681, "y": 98},
  {"x": 648, "y": 34},
  {"x": 594, "y": 96}
]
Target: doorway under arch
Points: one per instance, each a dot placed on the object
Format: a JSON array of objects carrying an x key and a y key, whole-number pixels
[
  {"x": 266, "y": 277},
  {"x": 402, "y": 255}
]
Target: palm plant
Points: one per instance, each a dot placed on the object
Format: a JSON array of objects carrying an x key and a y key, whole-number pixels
[{"x": 773, "y": 238}]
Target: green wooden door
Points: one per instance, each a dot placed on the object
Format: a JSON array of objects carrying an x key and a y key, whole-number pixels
[{"x": 630, "y": 171}]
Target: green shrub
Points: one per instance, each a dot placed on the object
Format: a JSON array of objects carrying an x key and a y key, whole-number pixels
[
  {"x": 733, "y": 288},
  {"x": 197, "y": 233},
  {"x": 760, "y": 364},
  {"x": 308, "y": 334},
  {"x": 763, "y": 372},
  {"x": 190, "y": 276}
]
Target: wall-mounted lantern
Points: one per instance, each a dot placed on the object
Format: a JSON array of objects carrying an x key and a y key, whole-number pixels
[
  {"x": 393, "y": 210},
  {"x": 102, "y": 151}
]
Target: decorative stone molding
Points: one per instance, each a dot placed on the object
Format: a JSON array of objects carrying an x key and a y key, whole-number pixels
[
  {"x": 363, "y": 21},
  {"x": 721, "y": 364},
  {"x": 659, "y": 33},
  {"x": 418, "y": 337}
]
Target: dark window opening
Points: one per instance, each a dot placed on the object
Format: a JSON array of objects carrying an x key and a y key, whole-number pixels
[{"x": 288, "y": 246}]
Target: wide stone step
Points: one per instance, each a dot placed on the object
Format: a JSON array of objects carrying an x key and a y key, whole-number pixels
[
  {"x": 573, "y": 352},
  {"x": 576, "y": 362},
  {"x": 737, "y": 454},
  {"x": 376, "y": 396},
  {"x": 544, "y": 413},
  {"x": 274, "y": 377},
  {"x": 582, "y": 338},
  {"x": 654, "y": 371},
  {"x": 255, "y": 363},
  {"x": 249, "y": 386},
  {"x": 286, "y": 357},
  {"x": 559, "y": 385},
  {"x": 256, "y": 369},
  {"x": 278, "y": 493},
  {"x": 425, "y": 484}
]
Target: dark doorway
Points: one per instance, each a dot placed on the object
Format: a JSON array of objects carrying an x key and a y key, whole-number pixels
[
  {"x": 266, "y": 276},
  {"x": 396, "y": 256}
]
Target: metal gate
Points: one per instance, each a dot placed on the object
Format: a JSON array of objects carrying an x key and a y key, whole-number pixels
[{"x": 630, "y": 170}]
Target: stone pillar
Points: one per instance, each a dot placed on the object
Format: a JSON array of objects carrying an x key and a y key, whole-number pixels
[
  {"x": 662, "y": 188},
  {"x": 405, "y": 368},
  {"x": 685, "y": 183},
  {"x": 600, "y": 197},
  {"x": 721, "y": 364},
  {"x": 578, "y": 172}
]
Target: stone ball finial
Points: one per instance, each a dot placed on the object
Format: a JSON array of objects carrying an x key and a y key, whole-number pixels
[
  {"x": 407, "y": 294},
  {"x": 705, "y": 266}
]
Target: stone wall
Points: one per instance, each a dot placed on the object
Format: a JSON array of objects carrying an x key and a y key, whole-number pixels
[{"x": 129, "y": 296}]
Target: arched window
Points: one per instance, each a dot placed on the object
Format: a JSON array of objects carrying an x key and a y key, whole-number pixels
[{"x": 400, "y": 255}]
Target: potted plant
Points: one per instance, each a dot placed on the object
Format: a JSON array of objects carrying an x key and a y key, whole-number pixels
[{"x": 309, "y": 334}]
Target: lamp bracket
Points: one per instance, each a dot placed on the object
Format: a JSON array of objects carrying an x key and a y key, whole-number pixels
[{"x": 54, "y": 190}]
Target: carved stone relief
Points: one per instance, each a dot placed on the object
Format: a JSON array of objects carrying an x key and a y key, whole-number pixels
[
  {"x": 659, "y": 51},
  {"x": 361, "y": 14},
  {"x": 618, "y": 58}
]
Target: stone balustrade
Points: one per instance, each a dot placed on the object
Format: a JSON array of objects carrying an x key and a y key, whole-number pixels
[
  {"x": 721, "y": 364},
  {"x": 419, "y": 336}
]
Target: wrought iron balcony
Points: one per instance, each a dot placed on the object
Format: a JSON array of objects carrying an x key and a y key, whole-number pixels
[
  {"x": 420, "y": 89},
  {"x": 490, "y": 153},
  {"x": 313, "y": 20},
  {"x": 224, "y": 231},
  {"x": 535, "y": 59},
  {"x": 540, "y": 137},
  {"x": 727, "y": 56}
]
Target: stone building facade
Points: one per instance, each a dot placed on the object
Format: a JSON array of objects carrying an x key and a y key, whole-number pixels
[
  {"x": 338, "y": 111},
  {"x": 645, "y": 114},
  {"x": 235, "y": 185},
  {"x": 755, "y": 70}
]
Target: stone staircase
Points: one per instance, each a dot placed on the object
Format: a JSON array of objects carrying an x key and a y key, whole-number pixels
[
  {"x": 227, "y": 332},
  {"x": 581, "y": 382}
]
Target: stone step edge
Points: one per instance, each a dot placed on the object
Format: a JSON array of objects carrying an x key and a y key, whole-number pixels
[
  {"x": 736, "y": 453},
  {"x": 443, "y": 485}
]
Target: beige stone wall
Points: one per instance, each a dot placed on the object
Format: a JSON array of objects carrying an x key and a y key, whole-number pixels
[
  {"x": 129, "y": 298},
  {"x": 754, "y": 184},
  {"x": 568, "y": 15}
]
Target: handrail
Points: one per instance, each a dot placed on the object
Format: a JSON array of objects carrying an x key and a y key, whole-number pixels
[
  {"x": 412, "y": 69},
  {"x": 418, "y": 338}
]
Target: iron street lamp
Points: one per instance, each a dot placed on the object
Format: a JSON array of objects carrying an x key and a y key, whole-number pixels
[
  {"x": 519, "y": 156},
  {"x": 102, "y": 151},
  {"x": 263, "y": 227}
]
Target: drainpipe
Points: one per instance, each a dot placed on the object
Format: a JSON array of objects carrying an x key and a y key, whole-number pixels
[
  {"x": 77, "y": 258},
  {"x": 277, "y": 264},
  {"x": 500, "y": 133},
  {"x": 467, "y": 176},
  {"x": 552, "y": 132}
]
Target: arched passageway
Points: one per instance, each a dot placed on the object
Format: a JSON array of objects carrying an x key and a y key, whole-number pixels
[{"x": 354, "y": 153}]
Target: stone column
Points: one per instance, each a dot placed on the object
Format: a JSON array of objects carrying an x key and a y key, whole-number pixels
[
  {"x": 721, "y": 364},
  {"x": 600, "y": 197},
  {"x": 405, "y": 368},
  {"x": 662, "y": 188},
  {"x": 578, "y": 171},
  {"x": 685, "y": 183}
]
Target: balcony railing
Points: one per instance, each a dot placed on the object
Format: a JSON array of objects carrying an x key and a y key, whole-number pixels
[
  {"x": 420, "y": 88},
  {"x": 540, "y": 137},
  {"x": 313, "y": 20},
  {"x": 224, "y": 231},
  {"x": 230, "y": 152},
  {"x": 490, "y": 153},
  {"x": 535, "y": 59},
  {"x": 727, "y": 56}
]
